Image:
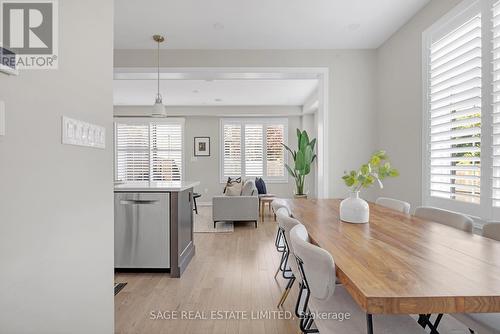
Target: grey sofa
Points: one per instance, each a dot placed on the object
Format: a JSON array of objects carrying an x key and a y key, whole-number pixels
[{"x": 237, "y": 208}]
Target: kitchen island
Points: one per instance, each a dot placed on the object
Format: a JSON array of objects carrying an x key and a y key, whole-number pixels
[{"x": 154, "y": 226}]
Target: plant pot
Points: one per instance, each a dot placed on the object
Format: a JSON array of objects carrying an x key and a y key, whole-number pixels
[
  {"x": 354, "y": 209},
  {"x": 300, "y": 196}
]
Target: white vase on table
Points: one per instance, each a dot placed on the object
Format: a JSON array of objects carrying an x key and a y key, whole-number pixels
[{"x": 354, "y": 209}]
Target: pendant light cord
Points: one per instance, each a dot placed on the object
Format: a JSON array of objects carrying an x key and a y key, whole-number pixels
[{"x": 158, "y": 68}]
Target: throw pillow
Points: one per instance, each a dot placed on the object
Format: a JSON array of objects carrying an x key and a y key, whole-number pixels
[
  {"x": 248, "y": 188},
  {"x": 261, "y": 185},
  {"x": 234, "y": 189},
  {"x": 231, "y": 181}
]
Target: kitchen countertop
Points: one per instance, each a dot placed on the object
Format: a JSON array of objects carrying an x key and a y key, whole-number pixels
[{"x": 160, "y": 186}]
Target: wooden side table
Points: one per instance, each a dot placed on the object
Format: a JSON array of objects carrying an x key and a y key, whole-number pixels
[{"x": 262, "y": 204}]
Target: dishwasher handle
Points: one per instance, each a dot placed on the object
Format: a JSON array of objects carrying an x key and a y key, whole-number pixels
[{"x": 138, "y": 202}]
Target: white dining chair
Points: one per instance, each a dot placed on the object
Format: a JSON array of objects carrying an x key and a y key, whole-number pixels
[
  {"x": 279, "y": 203},
  {"x": 317, "y": 270},
  {"x": 483, "y": 323},
  {"x": 288, "y": 223},
  {"x": 394, "y": 204},
  {"x": 445, "y": 217},
  {"x": 280, "y": 240}
]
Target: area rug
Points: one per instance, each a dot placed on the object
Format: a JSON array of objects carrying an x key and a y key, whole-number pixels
[
  {"x": 119, "y": 287},
  {"x": 203, "y": 222}
]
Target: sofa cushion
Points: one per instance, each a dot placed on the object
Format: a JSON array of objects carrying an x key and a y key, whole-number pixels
[
  {"x": 233, "y": 189},
  {"x": 248, "y": 188},
  {"x": 230, "y": 182},
  {"x": 261, "y": 185}
]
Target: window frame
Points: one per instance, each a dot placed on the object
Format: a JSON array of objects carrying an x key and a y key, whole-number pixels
[
  {"x": 148, "y": 121},
  {"x": 446, "y": 24},
  {"x": 265, "y": 122}
]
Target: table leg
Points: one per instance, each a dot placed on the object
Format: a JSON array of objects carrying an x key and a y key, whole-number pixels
[{"x": 369, "y": 323}]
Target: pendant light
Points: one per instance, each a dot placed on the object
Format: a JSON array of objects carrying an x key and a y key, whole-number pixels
[{"x": 158, "y": 107}]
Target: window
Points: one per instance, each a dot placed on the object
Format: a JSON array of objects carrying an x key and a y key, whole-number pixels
[
  {"x": 461, "y": 134},
  {"x": 252, "y": 147},
  {"x": 148, "y": 150}
]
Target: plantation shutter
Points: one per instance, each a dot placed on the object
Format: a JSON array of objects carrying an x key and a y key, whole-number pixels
[
  {"x": 232, "y": 150},
  {"x": 132, "y": 152},
  {"x": 166, "y": 151},
  {"x": 254, "y": 150},
  {"x": 455, "y": 113},
  {"x": 275, "y": 153},
  {"x": 148, "y": 151},
  {"x": 496, "y": 105}
]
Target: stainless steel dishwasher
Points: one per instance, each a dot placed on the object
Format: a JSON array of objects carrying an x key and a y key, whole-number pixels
[{"x": 142, "y": 230}]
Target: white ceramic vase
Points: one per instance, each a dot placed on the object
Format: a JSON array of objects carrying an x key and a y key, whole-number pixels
[{"x": 354, "y": 209}]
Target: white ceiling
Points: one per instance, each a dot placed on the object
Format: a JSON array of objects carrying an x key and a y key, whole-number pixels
[
  {"x": 290, "y": 92},
  {"x": 260, "y": 24}
]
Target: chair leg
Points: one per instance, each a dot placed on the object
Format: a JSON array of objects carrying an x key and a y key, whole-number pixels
[
  {"x": 287, "y": 291},
  {"x": 215, "y": 223},
  {"x": 255, "y": 224},
  {"x": 195, "y": 205}
]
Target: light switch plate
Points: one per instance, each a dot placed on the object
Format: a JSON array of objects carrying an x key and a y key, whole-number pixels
[
  {"x": 2, "y": 118},
  {"x": 76, "y": 132}
]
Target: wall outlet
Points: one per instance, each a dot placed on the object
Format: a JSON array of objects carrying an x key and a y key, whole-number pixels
[
  {"x": 2, "y": 118},
  {"x": 75, "y": 132}
]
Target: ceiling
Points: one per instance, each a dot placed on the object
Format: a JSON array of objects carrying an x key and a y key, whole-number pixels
[
  {"x": 260, "y": 24},
  {"x": 289, "y": 92}
]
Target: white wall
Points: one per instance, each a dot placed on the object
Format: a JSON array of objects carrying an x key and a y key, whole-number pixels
[
  {"x": 399, "y": 101},
  {"x": 206, "y": 169},
  {"x": 351, "y": 92},
  {"x": 56, "y": 201}
]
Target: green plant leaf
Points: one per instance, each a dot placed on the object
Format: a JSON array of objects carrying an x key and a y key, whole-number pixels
[
  {"x": 299, "y": 161},
  {"x": 313, "y": 143},
  {"x": 289, "y": 150},
  {"x": 290, "y": 170},
  {"x": 308, "y": 155},
  {"x": 303, "y": 141}
]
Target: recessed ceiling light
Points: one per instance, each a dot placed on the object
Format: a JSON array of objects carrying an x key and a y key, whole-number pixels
[
  {"x": 218, "y": 100},
  {"x": 196, "y": 91},
  {"x": 218, "y": 26},
  {"x": 353, "y": 26}
]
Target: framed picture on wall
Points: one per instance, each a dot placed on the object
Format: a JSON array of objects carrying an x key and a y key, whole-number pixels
[{"x": 201, "y": 146}]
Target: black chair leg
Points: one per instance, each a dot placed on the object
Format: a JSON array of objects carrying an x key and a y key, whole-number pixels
[
  {"x": 195, "y": 205},
  {"x": 215, "y": 223}
]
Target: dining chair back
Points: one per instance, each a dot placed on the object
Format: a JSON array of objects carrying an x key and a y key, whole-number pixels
[
  {"x": 445, "y": 217},
  {"x": 394, "y": 204},
  {"x": 318, "y": 265}
]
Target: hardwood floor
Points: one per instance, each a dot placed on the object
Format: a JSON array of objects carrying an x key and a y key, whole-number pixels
[{"x": 230, "y": 272}]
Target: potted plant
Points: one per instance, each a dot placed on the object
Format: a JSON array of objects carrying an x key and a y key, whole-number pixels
[
  {"x": 303, "y": 159},
  {"x": 354, "y": 209}
]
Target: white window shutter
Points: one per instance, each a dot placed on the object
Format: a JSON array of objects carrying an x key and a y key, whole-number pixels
[
  {"x": 232, "y": 150},
  {"x": 254, "y": 150},
  {"x": 148, "y": 151},
  {"x": 496, "y": 105},
  {"x": 455, "y": 113},
  {"x": 275, "y": 152},
  {"x": 166, "y": 151},
  {"x": 132, "y": 152}
]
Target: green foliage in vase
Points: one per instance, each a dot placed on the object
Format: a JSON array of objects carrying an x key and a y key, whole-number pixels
[
  {"x": 377, "y": 169},
  {"x": 303, "y": 159}
]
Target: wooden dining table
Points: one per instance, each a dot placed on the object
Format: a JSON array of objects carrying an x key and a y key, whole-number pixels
[{"x": 400, "y": 264}]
